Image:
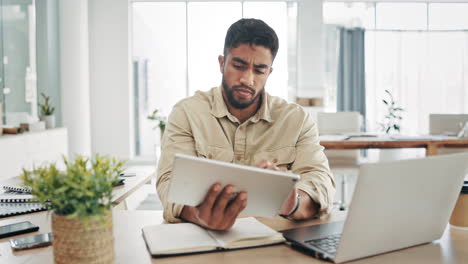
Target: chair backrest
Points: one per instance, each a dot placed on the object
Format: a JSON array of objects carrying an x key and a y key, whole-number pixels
[
  {"x": 337, "y": 123},
  {"x": 446, "y": 123}
]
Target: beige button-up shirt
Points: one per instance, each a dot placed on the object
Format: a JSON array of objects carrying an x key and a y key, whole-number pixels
[{"x": 281, "y": 132}]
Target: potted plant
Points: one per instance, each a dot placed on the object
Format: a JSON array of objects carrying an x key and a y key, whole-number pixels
[
  {"x": 391, "y": 125},
  {"x": 47, "y": 112},
  {"x": 393, "y": 116},
  {"x": 80, "y": 198},
  {"x": 159, "y": 119}
]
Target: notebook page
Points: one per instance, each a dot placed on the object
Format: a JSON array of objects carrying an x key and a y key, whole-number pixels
[
  {"x": 244, "y": 229},
  {"x": 177, "y": 238}
]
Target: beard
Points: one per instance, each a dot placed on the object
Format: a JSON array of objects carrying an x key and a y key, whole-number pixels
[{"x": 229, "y": 91}]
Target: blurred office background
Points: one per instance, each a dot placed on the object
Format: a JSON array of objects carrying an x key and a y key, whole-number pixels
[{"x": 107, "y": 64}]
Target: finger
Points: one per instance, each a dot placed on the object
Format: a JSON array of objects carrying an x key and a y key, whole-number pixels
[
  {"x": 217, "y": 214},
  {"x": 206, "y": 206},
  {"x": 233, "y": 210},
  {"x": 264, "y": 164},
  {"x": 276, "y": 168},
  {"x": 230, "y": 223}
]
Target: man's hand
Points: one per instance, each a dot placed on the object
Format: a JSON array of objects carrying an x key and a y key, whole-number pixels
[
  {"x": 219, "y": 210},
  {"x": 307, "y": 207}
]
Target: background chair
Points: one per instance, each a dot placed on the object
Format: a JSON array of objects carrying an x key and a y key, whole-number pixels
[
  {"x": 447, "y": 124},
  {"x": 343, "y": 163}
]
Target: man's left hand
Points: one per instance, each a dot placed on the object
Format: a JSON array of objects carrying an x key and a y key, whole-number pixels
[{"x": 307, "y": 207}]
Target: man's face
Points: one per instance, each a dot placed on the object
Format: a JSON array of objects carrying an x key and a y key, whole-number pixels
[{"x": 245, "y": 71}]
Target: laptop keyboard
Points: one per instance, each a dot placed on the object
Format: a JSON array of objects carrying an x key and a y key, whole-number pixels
[{"x": 327, "y": 244}]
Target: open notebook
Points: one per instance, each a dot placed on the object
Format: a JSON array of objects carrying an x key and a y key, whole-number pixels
[{"x": 187, "y": 238}]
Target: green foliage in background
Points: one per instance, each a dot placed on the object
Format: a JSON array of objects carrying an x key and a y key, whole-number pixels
[
  {"x": 160, "y": 119},
  {"x": 393, "y": 116},
  {"x": 46, "y": 108},
  {"x": 83, "y": 190}
]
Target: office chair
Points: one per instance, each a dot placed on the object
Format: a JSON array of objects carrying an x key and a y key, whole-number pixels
[
  {"x": 447, "y": 124},
  {"x": 342, "y": 162}
]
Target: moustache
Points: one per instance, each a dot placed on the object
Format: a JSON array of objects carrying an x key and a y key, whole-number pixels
[{"x": 252, "y": 91}]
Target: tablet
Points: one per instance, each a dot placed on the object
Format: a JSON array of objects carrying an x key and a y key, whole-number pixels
[{"x": 192, "y": 177}]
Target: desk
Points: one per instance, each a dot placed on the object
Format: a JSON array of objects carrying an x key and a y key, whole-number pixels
[
  {"x": 130, "y": 246},
  {"x": 430, "y": 144},
  {"x": 143, "y": 176}
]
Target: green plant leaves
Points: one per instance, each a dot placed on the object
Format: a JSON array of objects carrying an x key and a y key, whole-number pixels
[
  {"x": 84, "y": 189},
  {"x": 392, "y": 117},
  {"x": 160, "y": 119},
  {"x": 46, "y": 108}
]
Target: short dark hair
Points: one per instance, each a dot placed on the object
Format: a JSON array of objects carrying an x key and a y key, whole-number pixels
[{"x": 253, "y": 32}]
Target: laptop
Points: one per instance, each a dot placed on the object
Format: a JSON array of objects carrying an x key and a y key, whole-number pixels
[{"x": 395, "y": 205}]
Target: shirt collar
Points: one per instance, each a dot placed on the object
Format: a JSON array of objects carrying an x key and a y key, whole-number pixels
[{"x": 219, "y": 108}]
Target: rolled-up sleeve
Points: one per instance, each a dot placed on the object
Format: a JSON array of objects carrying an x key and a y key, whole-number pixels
[
  {"x": 312, "y": 166},
  {"x": 177, "y": 139}
]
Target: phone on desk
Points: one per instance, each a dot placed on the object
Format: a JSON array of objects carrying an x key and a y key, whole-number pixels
[
  {"x": 17, "y": 229},
  {"x": 41, "y": 240}
]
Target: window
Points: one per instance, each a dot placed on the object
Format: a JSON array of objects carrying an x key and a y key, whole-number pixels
[
  {"x": 176, "y": 47},
  {"x": 207, "y": 26},
  {"x": 349, "y": 14},
  {"x": 448, "y": 16},
  {"x": 401, "y": 16},
  {"x": 419, "y": 51},
  {"x": 159, "y": 53}
]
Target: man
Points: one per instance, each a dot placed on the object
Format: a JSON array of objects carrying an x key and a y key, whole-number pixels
[{"x": 239, "y": 122}]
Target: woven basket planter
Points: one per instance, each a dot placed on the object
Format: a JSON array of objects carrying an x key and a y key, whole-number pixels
[{"x": 79, "y": 243}]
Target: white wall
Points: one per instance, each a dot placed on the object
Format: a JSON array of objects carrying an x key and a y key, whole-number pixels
[
  {"x": 74, "y": 74},
  {"x": 31, "y": 149},
  {"x": 110, "y": 78}
]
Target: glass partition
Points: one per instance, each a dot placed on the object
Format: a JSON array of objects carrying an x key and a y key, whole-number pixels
[{"x": 18, "y": 60}]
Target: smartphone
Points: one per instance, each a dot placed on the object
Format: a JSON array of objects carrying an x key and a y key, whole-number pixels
[
  {"x": 17, "y": 229},
  {"x": 41, "y": 240}
]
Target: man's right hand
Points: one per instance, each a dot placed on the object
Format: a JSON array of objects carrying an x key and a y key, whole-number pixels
[{"x": 218, "y": 211}]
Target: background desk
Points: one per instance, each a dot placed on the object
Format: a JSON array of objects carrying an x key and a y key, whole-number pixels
[
  {"x": 130, "y": 246},
  {"x": 132, "y": 184},
  {"x": 431, "y": 145}
]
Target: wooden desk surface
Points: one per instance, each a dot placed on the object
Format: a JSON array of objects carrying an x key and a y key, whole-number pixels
[
  {"x": 130, "y": 246},
  {"x": 431, "y": 145}
]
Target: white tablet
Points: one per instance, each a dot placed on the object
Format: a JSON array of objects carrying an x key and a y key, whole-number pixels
[{"x": 192, "y": 177}]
